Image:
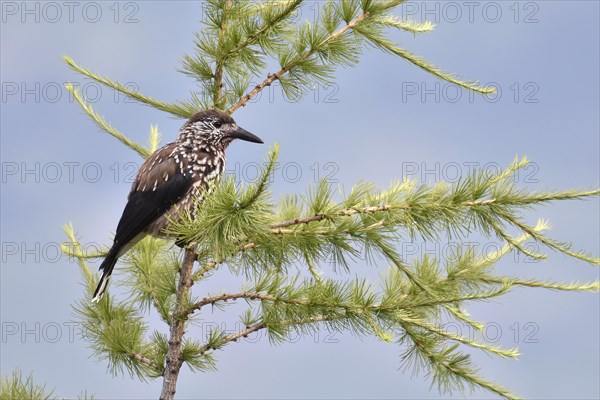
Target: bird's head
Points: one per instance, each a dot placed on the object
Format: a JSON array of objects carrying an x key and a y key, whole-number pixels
[{"x": 215, "y": 128}]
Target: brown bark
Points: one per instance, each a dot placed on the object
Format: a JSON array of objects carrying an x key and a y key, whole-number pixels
[{"x": 174, "y": 359}]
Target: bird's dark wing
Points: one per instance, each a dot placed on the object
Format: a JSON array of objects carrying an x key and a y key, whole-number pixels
[{"x": 161, "y": 182}]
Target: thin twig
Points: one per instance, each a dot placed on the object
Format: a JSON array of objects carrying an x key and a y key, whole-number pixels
[
  {"x": 145, "y": 360},
  {"x": 273, "y": 77},
  {"x": 215, "y": 263},
  {"x": 243, "y": 295},
  {"x": 374, "y": 307},
  {"x": 478, "y": 202},
  {"x": 298, "y": 302},
  {"x": 234, "y": 337},
  {"x": 105, "y": 126},
  {"x": 243, "y": 333},
  {"x": 299, "y": 221},
  {"x": 181, "y": 109},
  {"x": 365, "y": 210}
]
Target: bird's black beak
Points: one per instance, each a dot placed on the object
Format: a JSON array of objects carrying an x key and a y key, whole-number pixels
[{"x": 243, "y": 134}]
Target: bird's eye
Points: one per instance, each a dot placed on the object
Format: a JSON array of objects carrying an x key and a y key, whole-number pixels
[{"x": 217, "y": 124}]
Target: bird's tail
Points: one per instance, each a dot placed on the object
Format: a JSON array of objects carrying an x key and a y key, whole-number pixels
[{"x": 107, "y": 267}]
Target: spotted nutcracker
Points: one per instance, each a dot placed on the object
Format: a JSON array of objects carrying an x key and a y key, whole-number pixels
[{"x": 170, "y": 179}]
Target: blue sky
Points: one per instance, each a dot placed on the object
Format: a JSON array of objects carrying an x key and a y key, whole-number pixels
[{"x": 381, "y": 120}]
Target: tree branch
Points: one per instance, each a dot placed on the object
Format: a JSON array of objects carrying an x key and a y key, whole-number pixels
[
  {"x": 105, "y": 126},
  {"x": 145, "y": 360},
  {"x": 364, "y": 210},
  {"x": 174, "y": 358},
  {"x": 243, "y": 333},
  {"x": 273, "y": 77},
  {"x": 244, "y": 295},
  {"x": 180, "y": 109},
  {"x": 215, "y": 263},
  {"x": 225, "y": 297},
  {"x": 234, "y": 337},
  {"x": 320, "y": 217}
]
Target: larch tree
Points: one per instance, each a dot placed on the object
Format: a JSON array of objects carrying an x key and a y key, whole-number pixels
[{"x": 281, "y": 248}]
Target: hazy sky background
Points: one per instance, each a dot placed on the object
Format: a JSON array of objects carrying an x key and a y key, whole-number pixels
[{"x": 382, "y": 119}]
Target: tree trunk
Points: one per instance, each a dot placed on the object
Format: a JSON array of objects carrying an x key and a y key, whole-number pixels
[{"x": 174, "y": 358}]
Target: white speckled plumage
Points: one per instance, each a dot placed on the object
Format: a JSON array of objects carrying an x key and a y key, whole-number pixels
[{"x": 171, "y": 179}]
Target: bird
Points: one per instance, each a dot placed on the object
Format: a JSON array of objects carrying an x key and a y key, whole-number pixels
[{"x": 171, "y": 180}]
